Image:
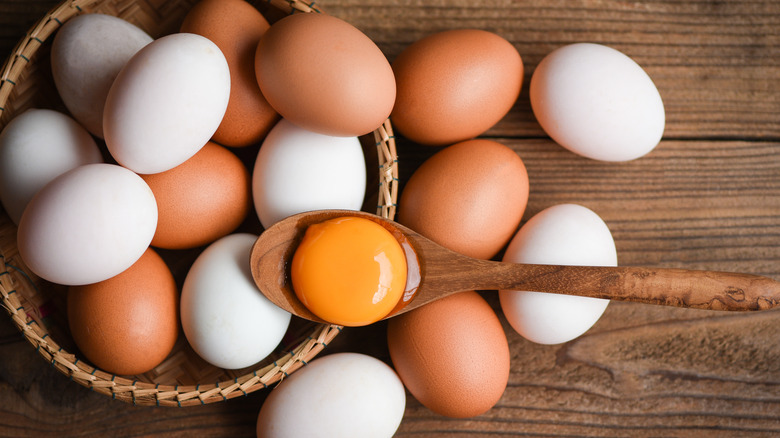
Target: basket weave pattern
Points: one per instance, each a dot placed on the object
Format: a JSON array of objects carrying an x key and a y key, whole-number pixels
[{"x": 183, "y": 379}]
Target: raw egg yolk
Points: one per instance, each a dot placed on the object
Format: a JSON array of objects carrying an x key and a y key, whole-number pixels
[{"x": 349, "y": 271}]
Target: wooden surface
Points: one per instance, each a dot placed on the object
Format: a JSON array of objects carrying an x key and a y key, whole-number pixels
[{"x": 708, "y": 197}]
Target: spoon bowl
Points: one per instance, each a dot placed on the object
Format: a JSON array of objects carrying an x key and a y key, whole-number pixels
[{"x": 436, "y": 272}]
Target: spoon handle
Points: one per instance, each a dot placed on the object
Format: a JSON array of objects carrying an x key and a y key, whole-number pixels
[{"x": 710, "y": 290}]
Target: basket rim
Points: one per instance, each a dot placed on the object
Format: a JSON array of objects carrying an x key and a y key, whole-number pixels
[{"x": 123, "y": 387}]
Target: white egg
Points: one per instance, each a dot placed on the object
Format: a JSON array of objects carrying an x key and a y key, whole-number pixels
[
  {"x": 597, "y": 102},
  {"x": 87, "y": 225},
  {"x": 564, "y": 234},
  {"x": 225, "y": 318},
  {"x": 166, "y": 103},
  {"x": 87, "y": 54},
  {"x": 340, "y": 395},
  {"x": 36, "y": 147},
  {"x": 298, "y": 170}
]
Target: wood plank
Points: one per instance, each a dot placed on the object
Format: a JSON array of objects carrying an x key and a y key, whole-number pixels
[
  {"x": 695, "y": 204},
  {"x": 715, "y": 63}
]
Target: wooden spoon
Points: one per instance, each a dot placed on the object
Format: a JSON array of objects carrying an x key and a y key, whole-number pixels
[{"x": 436, "y": 272}]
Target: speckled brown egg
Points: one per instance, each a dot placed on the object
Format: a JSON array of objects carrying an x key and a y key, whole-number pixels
[
  {"x": 200, "y": 200},
  {"x": 468, "y": 197},
  {"x": 452, "y": 355},
  {"x": 128, "y": 324},
  {"x": 236, "y": 28},
  {"x": 455, "y": 85},
  {"x": 324, "y": 75}
]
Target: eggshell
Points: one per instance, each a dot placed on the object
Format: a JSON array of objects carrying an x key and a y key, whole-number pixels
[
  {"x": 452, "y": 355},
  {"x": 340, "y": 395},
  {"x": 87, "y": 225},
  {"x": 200, "y": 200},
  {"x": 129, "y": 323},
  {"x": 298, "y": 170},
  {"x": 325, "y": 75},
  {"x": 468, "y": 197},
  {"x": 455, "y": 85},
  {"x": 166, "y": 103},
  {"x": 87, "y": 53},
  {"x": 36, "y": 147},
  {"x": 564, "y": 234},
  {"x": 225, "y": 318},
  {"x": 235, "y": 27},
  {"x": 597, "y": 102}
]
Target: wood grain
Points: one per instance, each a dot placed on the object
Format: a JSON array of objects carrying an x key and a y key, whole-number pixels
[{"x": 707, "y": 198}]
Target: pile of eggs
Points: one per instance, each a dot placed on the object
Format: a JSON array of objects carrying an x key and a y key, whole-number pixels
[{"x": 170, "y": 110}]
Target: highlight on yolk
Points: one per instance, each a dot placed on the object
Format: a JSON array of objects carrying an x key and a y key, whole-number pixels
[{"x": 349, "y": 271}]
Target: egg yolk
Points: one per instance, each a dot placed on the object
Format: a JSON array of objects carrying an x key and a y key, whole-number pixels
[{"x": 349, "y": 271}]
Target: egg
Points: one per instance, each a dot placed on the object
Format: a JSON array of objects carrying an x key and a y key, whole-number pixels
[
  {"x": 225, "y": 318},
  {"x": 452, "y": 355},
  {"x": 325, "y": 75},
  {"x": 454, "y": 85},
  {"x": 564, "y": 234},
  {"x": 468, "y": 197},
  {"x": 200, "y": 200},
  {"x": 349, "y": 271},
  {"x": 36, "y": 147},
  {"x": 87, "y": 225},
  {"x": 235, "y": 27},
  {"x": 166, "y": 103},
  {"x": 289, "y": 174},
  {"x": 87, "y": 54},
  {"x": 597, "y": 102},
  {"x": 129, "y": 323},
  {"x": 341, "y": 395}
]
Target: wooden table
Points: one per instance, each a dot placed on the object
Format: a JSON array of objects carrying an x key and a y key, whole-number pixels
[{"x": 707, "y": 197}]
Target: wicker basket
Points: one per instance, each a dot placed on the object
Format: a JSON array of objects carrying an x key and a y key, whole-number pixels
[{"x": 183, "y": 379}]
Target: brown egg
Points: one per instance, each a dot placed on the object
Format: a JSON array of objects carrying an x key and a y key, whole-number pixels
[
  {"x": 236, "y": 27},
  {"x": 468, "y": 197},
  {"x": 129, "y": 323},
  {"x": 452, "y": 355},
  {"x": 324, "y": 75},
  {"x": 455, "y": 85},
  {"x": 200, "y": 200}
]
